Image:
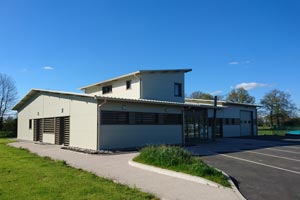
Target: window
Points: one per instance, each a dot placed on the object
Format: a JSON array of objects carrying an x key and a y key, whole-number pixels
[
  {"x": 114, "y": 117},
  {"x": 177, "y": 89},
  {"x": 48, "y": 125},
  {"x": 30, "y": 124},
  {"x": 172, "y": 119},
  {"x": 128, "y": 84},
  {"x": 146, "y": 118},
  {"x": 106, "y": 89}
]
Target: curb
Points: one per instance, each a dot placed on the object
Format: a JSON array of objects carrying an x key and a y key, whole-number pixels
[
  {"x": 234, "y": 188},
  {"x": 173, "y": 174},
  {"x": 186, "y": 176}
]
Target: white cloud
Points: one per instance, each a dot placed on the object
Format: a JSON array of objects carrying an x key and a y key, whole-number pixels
[
  {"x": 217, "y": 92},
  {"x": 250, "y": 86},
  {"x": 234, "y": 63},
  {"x": 48, "y": 68}
]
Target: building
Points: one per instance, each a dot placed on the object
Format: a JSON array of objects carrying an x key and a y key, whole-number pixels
[{"x": 142, "y": 108}]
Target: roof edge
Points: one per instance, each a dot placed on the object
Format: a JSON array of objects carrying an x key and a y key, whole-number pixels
[{"x": 135, "y": 73}]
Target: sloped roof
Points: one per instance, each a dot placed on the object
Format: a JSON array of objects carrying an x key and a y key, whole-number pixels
[
  {"x": 136, "y": 73},
  {"x": 32, "y": 93}
]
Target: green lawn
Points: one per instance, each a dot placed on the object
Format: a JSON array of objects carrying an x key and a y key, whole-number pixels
[
  {"x": 279, "y": 132},
  {"x": 24, "y": 175},
  {"x": 7, "y": 134},
  {"x": 180, "y": 160}
]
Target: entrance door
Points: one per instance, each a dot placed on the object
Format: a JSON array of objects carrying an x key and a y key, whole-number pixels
[
  {"x": 246, "y": 123},
  {"x": 196, "y": 129}
]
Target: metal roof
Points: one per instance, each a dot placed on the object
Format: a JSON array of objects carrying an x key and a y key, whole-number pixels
[
  {"x": 136, "y": 73},
  {"x": 220, "y": 102},
  {"x": 34, "y": 92},
  {"x": 158, "y": 102}
]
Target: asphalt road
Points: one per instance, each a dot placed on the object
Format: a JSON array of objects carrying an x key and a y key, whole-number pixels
[{"x": 263, "y": 170}]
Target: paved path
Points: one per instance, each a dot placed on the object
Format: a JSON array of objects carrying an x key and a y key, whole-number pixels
[{"x": 116, "y": 167}]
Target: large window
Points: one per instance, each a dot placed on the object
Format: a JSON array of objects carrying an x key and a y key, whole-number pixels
[
  {"x": 177, "y": 89},
  {"x": 172, "y": 119},
  {"x": 48, "y": 125},
  {"x": 146, "y": 118},
  {"x": 114, "y": 117},
  {"x": 106, "y": 89},
  {"x": 139, "y": 118}
]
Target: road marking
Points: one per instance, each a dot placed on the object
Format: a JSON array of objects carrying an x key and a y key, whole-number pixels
[
  {"x": 258, "y": 163},
  {"x": 265, "y": 154},
  {"x": 292, "y": 147},
  {"x": 283, "y": 150}
]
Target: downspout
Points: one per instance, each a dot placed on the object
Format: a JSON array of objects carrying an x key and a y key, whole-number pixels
[
  {"x": 99, "y": 105},
  {"x": 214, "y": 124}
]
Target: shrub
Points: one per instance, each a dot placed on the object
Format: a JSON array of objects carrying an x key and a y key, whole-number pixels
[{"x": 178, "y": 159}]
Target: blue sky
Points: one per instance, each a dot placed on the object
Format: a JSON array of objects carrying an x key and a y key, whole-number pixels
[{"x": 63, "y": 45}]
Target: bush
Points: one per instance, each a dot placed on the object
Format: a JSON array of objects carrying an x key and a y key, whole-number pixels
[{"x": 178, "y": 159}]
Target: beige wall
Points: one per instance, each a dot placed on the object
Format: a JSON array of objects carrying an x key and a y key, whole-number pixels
[
  {"x": 82, "y": 112},
  {"x": 48, "y": 138},
  {"x": 140, "y": 107},
  {"x": 233, "y": 111},
  {"x": 126, "y": 136},
  {"x": 160, "y": 86},
  {"x": 119, "y": 88}
]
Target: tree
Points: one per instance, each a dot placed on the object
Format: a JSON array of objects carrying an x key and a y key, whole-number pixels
[
  {"x": 203, "y": 95},
  {"x": 279, "y": 106},
  {"x": 8, "y": 96},
  {"x": 240, "y": 95}
]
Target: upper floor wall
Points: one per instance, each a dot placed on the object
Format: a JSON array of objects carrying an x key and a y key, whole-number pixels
[
  {"x": 167, "y": 86},
  {"x": 164, "y": 85},
  {"x": 128, "y": 87}
]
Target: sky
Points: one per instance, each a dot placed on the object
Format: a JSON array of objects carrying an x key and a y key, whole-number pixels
[{"x": 66, "y": 44}]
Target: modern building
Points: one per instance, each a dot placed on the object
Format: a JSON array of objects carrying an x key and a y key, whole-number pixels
[{"x": 142, "y": 108}]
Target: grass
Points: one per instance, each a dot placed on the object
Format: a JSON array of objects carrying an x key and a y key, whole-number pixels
[
  {"x": 279, "y": 132},
  {"x": 7, "y": 134},
  {"x": 25, "y": 175},
  {"x": 180, "y": 160}
]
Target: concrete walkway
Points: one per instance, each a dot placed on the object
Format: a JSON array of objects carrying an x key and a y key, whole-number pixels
[{"x": 116, "y": 167}]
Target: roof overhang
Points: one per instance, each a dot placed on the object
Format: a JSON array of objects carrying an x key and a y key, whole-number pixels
[{"x": 158, "y": 102}]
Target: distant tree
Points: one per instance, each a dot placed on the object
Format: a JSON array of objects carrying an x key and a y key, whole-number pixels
[
  {"x": 278, "y": 106},
  {"x": 201, "y": 95},
  {"x": 294, "y": 122},
  {"x": 240, "y": 95},
  {"x": 8, "y": 96}
]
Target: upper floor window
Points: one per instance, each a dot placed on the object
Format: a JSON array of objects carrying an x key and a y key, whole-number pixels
[
  {"x": 177, "y": 89},
  {"x": 106, "y": 89},
  {"x": 128, "y": 84}
]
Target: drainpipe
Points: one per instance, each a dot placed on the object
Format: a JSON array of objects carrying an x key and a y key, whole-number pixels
[
  {"x": 214, "y": 122},
  {"x": 99, "y": 105}
]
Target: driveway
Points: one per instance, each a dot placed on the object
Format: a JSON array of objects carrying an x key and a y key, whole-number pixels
[
  {"x": 116, "y": 167},
  {"x": 264, "y": 168}
]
